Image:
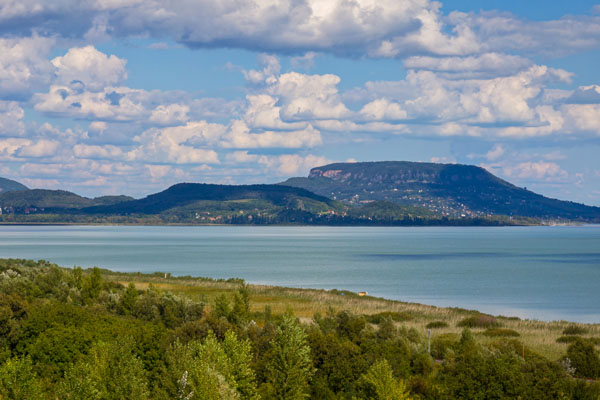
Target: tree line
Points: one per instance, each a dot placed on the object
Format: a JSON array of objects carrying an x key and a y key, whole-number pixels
[{"x": 72, "y": 334}]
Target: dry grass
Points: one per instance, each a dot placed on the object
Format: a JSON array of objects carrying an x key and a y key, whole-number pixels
[{"x": 536, "y": 335}]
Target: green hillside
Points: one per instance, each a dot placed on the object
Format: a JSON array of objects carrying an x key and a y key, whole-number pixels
[
  {"x": 451, "y": 190},
  {"x": 225, "y": 204},
  {"x": 37, "y": 200},
  {"x": 7, "y": 185},
  {"x": 385, "y": 210}
]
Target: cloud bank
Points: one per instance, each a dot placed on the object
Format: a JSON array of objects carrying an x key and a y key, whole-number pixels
[{"x": 68, "y": 112}]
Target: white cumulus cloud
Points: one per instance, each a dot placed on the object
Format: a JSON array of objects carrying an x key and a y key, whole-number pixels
[
  {"x": 93, "y": 68},
  {"x": 24, "y": 66},
  {"x": 541, "y": 170},
  {"x": 170, "y": 114},
  {"x": 239, "y": 136},
  {"x": 11, "y": 119}
]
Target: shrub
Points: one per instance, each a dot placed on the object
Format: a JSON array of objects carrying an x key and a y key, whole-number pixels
[
  {"x": 18, "y": 381},
  {"x": 479, "y": 321},
  {"x": 584, "y": 358},
  {"x": 436, "y": 324},
  {"x": 442, "y": 343},
  {"x": 501, "y": 332},
  {"x": 350, "y": 325},
  {"x": 571, "y": 339},
  {"x": 394, "y": 315},
  {"x": 575, "y": 330},
  {"x": 568, "y": 339}
]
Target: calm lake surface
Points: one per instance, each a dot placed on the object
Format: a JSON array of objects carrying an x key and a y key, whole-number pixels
[{"x": 542, "y": 273}]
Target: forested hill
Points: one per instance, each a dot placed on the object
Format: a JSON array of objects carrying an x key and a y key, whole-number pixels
[
  {"x": 189, "y": 194},
  {"x": 445, "y": 189},
  {"x": 42, "y": 199},
  {"x": 7, "y": 185},
  {"x": 196, "y": 203}
]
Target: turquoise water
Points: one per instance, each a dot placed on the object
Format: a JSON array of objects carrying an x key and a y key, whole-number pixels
[{"x": 542, "y": 273}]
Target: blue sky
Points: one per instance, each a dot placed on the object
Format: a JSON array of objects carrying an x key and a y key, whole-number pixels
[{"x": 131, "y": 96}]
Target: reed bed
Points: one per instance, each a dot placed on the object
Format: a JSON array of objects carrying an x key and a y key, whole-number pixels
[{"x": 538, "y": 336}]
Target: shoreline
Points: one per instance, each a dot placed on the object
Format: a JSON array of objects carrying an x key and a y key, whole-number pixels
[
  {"x": 396, "y": 263},
  {"x": 343, "y": 293},
  {"x": 545, "y": 338},
  {"x": 10, "y": 223}
]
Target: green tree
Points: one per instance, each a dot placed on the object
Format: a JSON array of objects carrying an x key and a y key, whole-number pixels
[
  {"x": 378, "y": 383},
  {"x": 338, "y": 362},
  {"x": 240, "y": 313},
  {"x": 239, "y": 355},
  {"x": 128, "y": 299},
  {"x": 77, "y": 274},
  {"x": 92, "y": 285},
  {"x": 210, "y": 369},
  {"x": 290, "y": 367},
  {"x": 222, "y": 307},
  {"x": 111, "y": 372},
  {"x": 18, "y": 381}
]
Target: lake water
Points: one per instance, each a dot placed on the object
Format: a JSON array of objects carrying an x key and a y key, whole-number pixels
[{"x": 542, "y": 273}]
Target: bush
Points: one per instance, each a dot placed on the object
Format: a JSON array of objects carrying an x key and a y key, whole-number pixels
[
  {"x": 584, "y": 358},
  {"x": 394, "y": 315},
  {"x": 442, "y": 343},
  {"x": 501, "y": 332},
  {"x": 349, "y": 325},
  {"x": 18, "y": 381},
  {"x": 575, "y": 330},
  {"x": 568, "y": 339},
  {"x": 436, "y": 324},
  {"x": 479, "y": 321}
]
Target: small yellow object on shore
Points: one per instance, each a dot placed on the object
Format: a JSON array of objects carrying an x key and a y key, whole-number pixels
[{"x": 362, "y": 293}]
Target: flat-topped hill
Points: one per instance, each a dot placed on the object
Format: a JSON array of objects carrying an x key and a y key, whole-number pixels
[{"x": 447, "y": 189}]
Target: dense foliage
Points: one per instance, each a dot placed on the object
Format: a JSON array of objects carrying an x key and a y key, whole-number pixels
[{"x": 71, "y": 334}]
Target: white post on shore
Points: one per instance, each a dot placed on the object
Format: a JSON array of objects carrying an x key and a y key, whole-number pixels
[{"x": 429, "y": 341}]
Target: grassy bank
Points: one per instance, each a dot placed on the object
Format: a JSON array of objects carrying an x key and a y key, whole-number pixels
[{"x": 538, "y": 336}]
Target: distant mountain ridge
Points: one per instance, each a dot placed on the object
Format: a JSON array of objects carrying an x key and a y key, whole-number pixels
[
  {"x": 44, "y": 199},
  {"x": 371, "y": 193},
  {"x": 446, "y": 189},
  {"x": 7, "y": 185}
]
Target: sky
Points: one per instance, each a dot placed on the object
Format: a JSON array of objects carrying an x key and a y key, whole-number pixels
[{"x": 131, "y": 96}]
